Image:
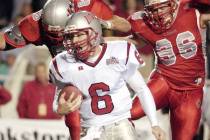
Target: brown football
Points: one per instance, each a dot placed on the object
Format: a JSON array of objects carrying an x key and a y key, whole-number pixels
[{"x": 69, "y": 90}]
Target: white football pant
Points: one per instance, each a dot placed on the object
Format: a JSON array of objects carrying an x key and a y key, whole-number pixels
[{"x": 122, "y": 130}]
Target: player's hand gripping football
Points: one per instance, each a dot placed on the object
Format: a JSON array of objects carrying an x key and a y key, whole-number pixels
[
  {"x": 65, "y": 106},
  {"x": 158, "y": 133}
]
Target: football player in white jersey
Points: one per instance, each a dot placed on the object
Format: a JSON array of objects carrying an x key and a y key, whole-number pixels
[{"x": 100, "y": 71}]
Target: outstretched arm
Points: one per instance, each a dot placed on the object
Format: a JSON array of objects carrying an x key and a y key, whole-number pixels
[
  {"x": 120, "y": 24},
  {"x": 116, "y": 23}
]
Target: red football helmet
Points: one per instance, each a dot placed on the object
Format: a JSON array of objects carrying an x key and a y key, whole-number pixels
[
  {"x": 160, "y": 14},
  {"x": 82, "y": 24}
]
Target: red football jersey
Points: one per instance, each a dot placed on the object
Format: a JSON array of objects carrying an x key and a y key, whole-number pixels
[
  {"x": 32, "y": 31},
  {"x": 97, "y": 7},
  {"x": 179, "y": 50}
]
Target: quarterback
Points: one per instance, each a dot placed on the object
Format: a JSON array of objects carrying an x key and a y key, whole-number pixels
[
  {"x": 101, "y": 70},
  {"x": 43, "y": 27}
]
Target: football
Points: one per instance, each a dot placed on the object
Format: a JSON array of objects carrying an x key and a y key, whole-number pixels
[{"x": 68, "y": 90}]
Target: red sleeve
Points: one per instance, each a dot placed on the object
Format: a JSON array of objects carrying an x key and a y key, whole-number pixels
[
  {"x": 135, "y": 26},
  {"x": 22, "y": 103},
  {"x": 5, "y": 96},
  {"x": 102, "y": 10},
  {"x": 30, "y": 27},
  {"x": 97, "y": 7}
]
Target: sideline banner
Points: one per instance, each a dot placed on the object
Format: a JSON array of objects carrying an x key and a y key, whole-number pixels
[{"x": 23, "y": 129}]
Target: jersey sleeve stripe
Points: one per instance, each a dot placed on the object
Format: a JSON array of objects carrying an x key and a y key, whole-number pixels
[
  {"x": 128, "y": 50},
  {"x": 56, "y": 67}
]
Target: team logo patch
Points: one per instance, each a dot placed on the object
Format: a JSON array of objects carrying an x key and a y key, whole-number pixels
[
  {"x": 112, "y": 60},
  {"x": 36, "y": 16},
  {"x": 83, "y": 3}
]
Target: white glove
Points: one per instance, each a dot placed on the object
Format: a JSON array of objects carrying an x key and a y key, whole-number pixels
[{"x": 105, "y": 23}]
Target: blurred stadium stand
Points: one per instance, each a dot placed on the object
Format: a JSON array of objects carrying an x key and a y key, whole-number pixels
[{"x": 22, "y": 71}]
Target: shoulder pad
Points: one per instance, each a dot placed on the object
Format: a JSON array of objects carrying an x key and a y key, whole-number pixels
[
  {"x": 14, "y": 37},
  {"x": 30, "y": 27}
]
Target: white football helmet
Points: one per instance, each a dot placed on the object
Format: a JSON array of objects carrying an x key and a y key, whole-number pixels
[
  {"x": 82, "y": 22},
  {"x": 55, "y": 15}
]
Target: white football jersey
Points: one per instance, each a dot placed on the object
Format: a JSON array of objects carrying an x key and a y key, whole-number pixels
[{"x": 106, "y": 98}]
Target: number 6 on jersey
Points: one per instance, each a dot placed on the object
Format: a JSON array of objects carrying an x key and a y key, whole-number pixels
[{"x": 97, "y": 92}]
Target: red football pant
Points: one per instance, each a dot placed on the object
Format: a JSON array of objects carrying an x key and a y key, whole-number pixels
[
  {"x": 72, "y": 121},
  {"x": 185, "y": 107}
]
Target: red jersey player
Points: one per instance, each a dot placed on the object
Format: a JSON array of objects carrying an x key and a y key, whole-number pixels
[
  {"x": 173, "y": 29},
  {"x": 42, "y": 27}
]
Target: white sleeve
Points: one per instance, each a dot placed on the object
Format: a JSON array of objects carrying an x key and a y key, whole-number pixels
[
  {"x": 54, "y": 78},
  {"x": 136, "y": 82},
  {"x": 134, "y": 61}
]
